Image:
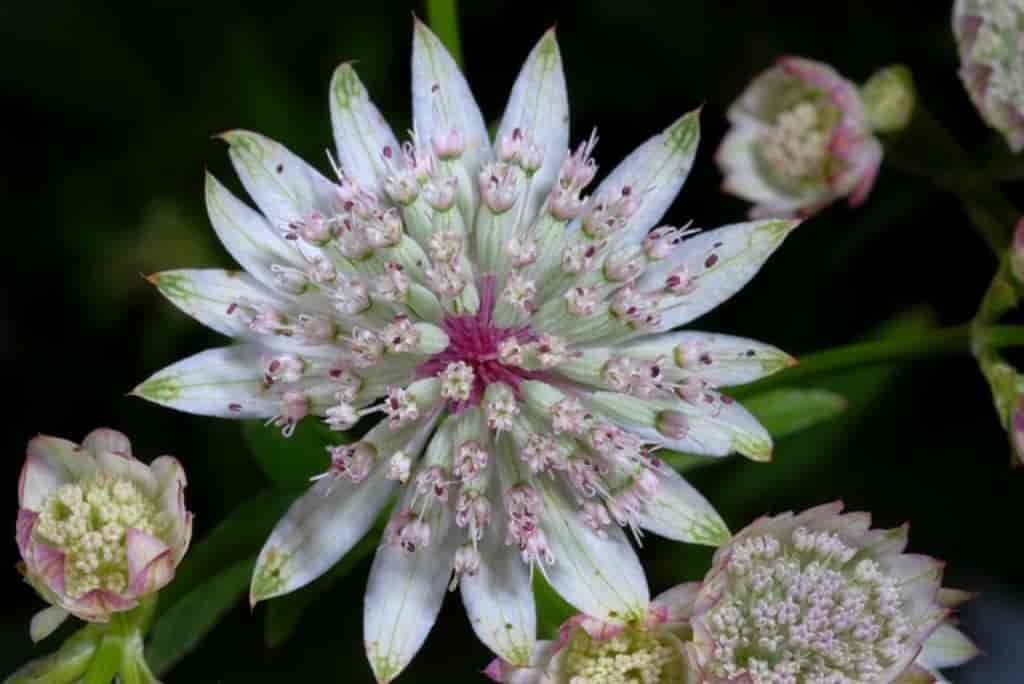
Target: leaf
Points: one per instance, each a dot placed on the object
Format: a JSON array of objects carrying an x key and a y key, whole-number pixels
[
  {"x": 552, "y": 609},
  {"x": 180, "y": 628},
  {"x": 284, "y": 612},
  {"x": 289, "y": 462},
  {"x": 786, "y": 411}
]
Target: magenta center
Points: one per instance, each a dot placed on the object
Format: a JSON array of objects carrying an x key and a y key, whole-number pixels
[{"x": 474, "y": 339}]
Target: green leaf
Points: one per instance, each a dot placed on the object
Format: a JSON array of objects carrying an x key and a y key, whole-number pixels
[
  {"x": 786, "y": 411},
  {"x": 181, "y": 627},
  {"x": 552, "y": 609},
  {"x": 289, "y": 462},
  {"x": 284, "y": 612}
]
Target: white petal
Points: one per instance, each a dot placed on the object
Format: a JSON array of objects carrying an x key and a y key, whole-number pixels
[
  {"x": 250, "y": 239},
  {"x": 441, "y": 96},
  {"x": 716, "y": 428},
  {"x": 226, "y": 382},
  {"x": 720, "y": 261},
  {"x": 318, "y": 530},
  {"x": 725, "y": 360},
  {"x": 499, "y": 598},
  {"x": 49, "y": 463},
  {"x": 655, "y": 172},
  {"x": 360, "y": 132},
  {"x": 600, "y": 577},
  {"x": 677, "y": 602},
  {"x": 679, "y": 512},
  {"x": 45, "y": 622},
  {"x": 403, "y": 597},
  {"x": 284, "y": 187},
  {"x": 947, "y": 647},
  {"x": 213, "y": 297},
  {"x": 743, "y": 175},
  {"x": 539, "y": 107}
]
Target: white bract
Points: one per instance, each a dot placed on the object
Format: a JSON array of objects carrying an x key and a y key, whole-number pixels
[
  {"x": 819, "y": 597},
  {"x": 97, "y": 529},
  {"x": 511, "y": 329},
  {"x": 800, "y": 139},
  {"x": 990, "y": 38}
]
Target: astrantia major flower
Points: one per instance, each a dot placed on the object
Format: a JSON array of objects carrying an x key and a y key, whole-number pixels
[
  {"x": 506, "y": 326},
  {"x": 820, "y": 597},
  {"x": 651, "y": 650},
  {"x": 800, "y": 139},
  {"x": 990, "y": 38},
  {"x": 97, "y": 529}
]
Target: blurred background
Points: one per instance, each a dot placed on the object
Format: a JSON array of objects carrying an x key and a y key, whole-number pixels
[{"x": 109, "y": 110}]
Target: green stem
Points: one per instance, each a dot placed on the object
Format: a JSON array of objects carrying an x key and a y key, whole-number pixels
[
  {"x": 941, "y": 342},
  {"x": 443, "y": 17},
  {"x": 106, "y": 662}
]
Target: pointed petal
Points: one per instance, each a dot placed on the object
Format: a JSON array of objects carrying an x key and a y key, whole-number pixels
[
  {"x": 320, "y": 527},
  {"x": 246, "y": 234},
  {"x": 655, "y": 172},
  {"x": 213, "y": 296},
  {"x": 539, "y": 107},
  {"x": 947, "y": 647},
  {"x": 226, "y": 382},
  {"x": 49, "y": 463},
  {"x": 150, "y": 562},
  {"x": 719, "y": 360},
  {"x": 499, "y": 598},
  {"x": 720, "y": 261},
  {"x": 602, "y": 577},
  {"x": 441, "y": 96},
  {"x": 23, "y": 527},
  {"x": 48, "y": 563},
  {"x": 360, "y": 132},
  {"x": 679, "y": 512},
  {"x": 45, "y": 622},
  {"x": 284, "y": 187},
  {"x": 403, "y": 597}
]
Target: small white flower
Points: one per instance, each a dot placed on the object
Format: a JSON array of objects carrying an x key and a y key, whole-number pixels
[
  {"x": 477, "y": 294},
  {"x": 98, "y": 530},
  {"x": 800, "y": 139},
  {"x": 990, "y": 37}
]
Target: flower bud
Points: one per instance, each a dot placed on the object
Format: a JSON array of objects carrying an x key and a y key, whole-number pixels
[
  {"x": 98, "y": 530},
  {"x": 889, "y": 99},
  {"x": 800, "y": 139}
]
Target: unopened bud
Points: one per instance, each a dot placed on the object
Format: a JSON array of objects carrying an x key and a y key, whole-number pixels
[{"x": 889, "y": 99}]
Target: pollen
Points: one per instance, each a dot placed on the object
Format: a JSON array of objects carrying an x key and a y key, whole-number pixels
[
  {"x": 632, "y": 657},
  {"x": 795, "y": 148}
]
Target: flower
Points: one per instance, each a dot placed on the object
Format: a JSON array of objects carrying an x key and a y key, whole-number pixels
[
  {"x": 990, "y": 40},
  {"x": 97, "y": 529},
  {"x": 800, "y": 139},
  {"x": 511, "y": 330},
  {"x": 651, "y": 650},
  {"x": 817, "y": 597}
]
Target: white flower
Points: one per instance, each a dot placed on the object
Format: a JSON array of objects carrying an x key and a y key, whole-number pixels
[
  {"x": 476, "y": 345},
  {"x": 800, "y": 139},
  {"x": 818, "y": 597},
  {"x": 98, "y": 530},
  {"x": 651, "y": 650},
  {"x": 990, "y": 37}
]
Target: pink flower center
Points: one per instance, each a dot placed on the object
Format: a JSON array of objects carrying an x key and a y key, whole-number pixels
[{"x": 474, "y": 340}]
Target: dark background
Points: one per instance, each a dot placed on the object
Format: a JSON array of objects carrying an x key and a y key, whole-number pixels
[{"x": 108, "y": 110}]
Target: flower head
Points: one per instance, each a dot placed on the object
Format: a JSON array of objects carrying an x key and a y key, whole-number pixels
[
  {"x": 651, "y": 650},
  {"x": 815, "y": 597},
  {"x": 97, "y": 529},
  {"x": 510, "y": 327},
  {"x": 800, "y": 139},
  {"x": 990, "y": 38}
]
